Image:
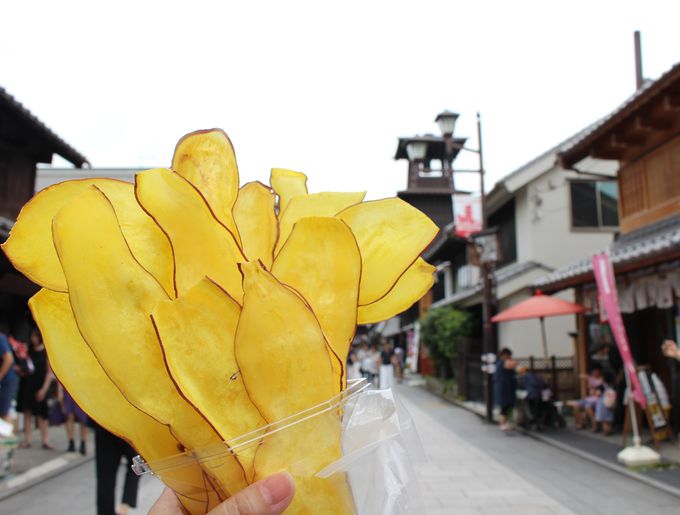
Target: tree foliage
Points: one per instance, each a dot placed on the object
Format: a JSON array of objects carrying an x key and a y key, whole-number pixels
[{"x": 442, "y": 330}]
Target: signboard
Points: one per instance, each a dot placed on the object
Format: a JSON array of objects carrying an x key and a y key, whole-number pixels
[
  {"x": 655, "y": 412},
  {"x": 606, "y": 285},
  {"x": 467, "y": 214}
]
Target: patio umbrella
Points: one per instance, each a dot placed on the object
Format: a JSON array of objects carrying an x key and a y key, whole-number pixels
[{"x": 539, "y": 306}]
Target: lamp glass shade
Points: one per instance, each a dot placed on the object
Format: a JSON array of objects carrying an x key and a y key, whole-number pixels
[
  {"x": 447, "y": 122},
  {"x": 416, "y": 150}
]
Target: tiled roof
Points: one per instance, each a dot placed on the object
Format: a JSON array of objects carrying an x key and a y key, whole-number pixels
[
  {"x": 58, "y": 145},
  {"x": 500, "y": 276},
  {"x": 647, "y": 242},
  {"x": 647, "y": 91}
]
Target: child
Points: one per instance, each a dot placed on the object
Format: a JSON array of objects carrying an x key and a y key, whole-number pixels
[{"x": 588, "y": 405}]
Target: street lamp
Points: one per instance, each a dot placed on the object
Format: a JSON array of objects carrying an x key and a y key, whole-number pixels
[
  {"x": 486, "y": 252},
  {"x": 416, "y": 150},
  {"x": 485, "y": 241},
  {"x": 447, "y": 122}
]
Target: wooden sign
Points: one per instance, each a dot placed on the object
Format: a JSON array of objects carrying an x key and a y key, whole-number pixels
[{"x": 655, "y": 413}]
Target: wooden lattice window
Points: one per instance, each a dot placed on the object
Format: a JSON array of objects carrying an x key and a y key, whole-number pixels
[{"x": 632, "y": 189}]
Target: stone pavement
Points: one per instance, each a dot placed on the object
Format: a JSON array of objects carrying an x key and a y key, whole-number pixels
[
  {"x": 73, "y": 493},
  {"x": 29, "y": 466},
  {"x": 554, "y": 481},
  {"x": 459, "y": 478}
]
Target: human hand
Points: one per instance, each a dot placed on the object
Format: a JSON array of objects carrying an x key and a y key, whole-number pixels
[
  {"x": 270, "y": 496},
  {"x": 40, "y": 396},
  {"x": 670, "y": 349}
]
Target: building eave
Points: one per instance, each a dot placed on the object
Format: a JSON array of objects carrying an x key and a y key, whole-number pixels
[{"x": 55, "y": 144}]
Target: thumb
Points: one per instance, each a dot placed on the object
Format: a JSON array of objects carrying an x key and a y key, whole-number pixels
[{"x": 270, "y": 496}]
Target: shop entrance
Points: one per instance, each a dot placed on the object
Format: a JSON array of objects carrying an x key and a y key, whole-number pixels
[{"x": 647, "y": 329}]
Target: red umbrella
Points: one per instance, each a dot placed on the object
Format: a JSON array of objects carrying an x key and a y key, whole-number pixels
[{"x": 539, "y": 306}]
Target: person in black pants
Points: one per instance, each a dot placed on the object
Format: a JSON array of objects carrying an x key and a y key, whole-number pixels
[
  {"x": 109, "y": 449},
  {"x": 505, "y": 384}
]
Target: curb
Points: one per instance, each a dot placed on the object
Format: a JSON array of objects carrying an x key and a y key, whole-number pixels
[
  {"x": 576, "y": 452},
  {"x": 604, "y": 463},
  {"x": 40, "y": 474}
]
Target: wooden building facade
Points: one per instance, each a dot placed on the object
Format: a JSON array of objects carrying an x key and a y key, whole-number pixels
[
  {"x": 24, "y": 142},
  {"x": 643, "y": 135}
]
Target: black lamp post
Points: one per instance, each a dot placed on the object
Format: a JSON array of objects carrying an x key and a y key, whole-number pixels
[
  {"x": 485, "y": 241},
  {"x": 487, "y": 253}
]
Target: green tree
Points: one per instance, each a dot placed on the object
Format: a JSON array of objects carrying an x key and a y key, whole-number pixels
[{"x": 443, "y": 330}]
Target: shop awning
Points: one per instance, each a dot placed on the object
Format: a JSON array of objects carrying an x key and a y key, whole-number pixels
[{"x": 649, "y": 246}]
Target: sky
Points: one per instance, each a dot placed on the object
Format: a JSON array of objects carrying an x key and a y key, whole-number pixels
[{"x": 327, "y": 88}]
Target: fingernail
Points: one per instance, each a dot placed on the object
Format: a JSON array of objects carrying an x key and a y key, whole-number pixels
[{"x": 277, "y": 488}]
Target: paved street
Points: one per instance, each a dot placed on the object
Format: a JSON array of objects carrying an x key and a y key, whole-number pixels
[
  {"x": 476, "y": 469},
  {"x": 72, "y": 493},
  {"x": 473, "y": 469}
]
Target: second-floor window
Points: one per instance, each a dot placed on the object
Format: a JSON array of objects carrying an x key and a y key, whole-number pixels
[{"x": 594, "y": 204}]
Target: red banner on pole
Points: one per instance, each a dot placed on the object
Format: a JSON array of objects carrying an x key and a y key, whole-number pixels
[
  {"x": 467, "y": 212},
  {"x": 606, "y": 285}
]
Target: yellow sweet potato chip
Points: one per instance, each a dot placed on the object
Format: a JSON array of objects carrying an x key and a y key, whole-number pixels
[
  {"x": 201, "y": 244},
  {"x": 207, "y": 160},
  {"x": 255, "y": 217},
  {"x": 280, "y": 348},
  {"x": 31, "y": 250},
  {"x": 112, "y": 297},
  {"x": 321, "y": 260},
  {"x": 391, "y": 234},
  {"x": 83, "y": 377},
  {"x": 316, "y": 204},
  {"x": 411, "y": 286},
  {"x": 197, "y": 334},
  {"x": 304, "y": 450},
  {"x": 287, "y": 184}
]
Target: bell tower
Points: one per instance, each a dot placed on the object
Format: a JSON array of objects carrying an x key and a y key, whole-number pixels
[{"x": 430, "y": 181}]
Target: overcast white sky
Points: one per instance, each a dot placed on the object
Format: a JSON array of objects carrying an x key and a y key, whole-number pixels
[{"x": 326, "y": 88}]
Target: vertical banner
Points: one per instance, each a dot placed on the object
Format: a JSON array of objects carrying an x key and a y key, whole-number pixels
[
  {"x": 606, "y": 285},
  {"x": 467, "y": 214},
  {"x": 413, "y": 348}
]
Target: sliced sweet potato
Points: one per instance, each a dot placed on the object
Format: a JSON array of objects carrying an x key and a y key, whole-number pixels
[
  {"x": 280, "y": 348},
  {"x": 391, "y": 234},
  {"x": 200, "y": 243},
  {"x": 255, "y": 217},
  {"x": 304, "y": 450},
  {"x": 197, "y": 334},
  {"x": 321, "y": 260},
  {"x": 207, "y": 160},
  {"x": 287, "y": 184},
  {"x": 112, "y": 297},
  {"x": 316, "y": 204},
  {"x": 30, "y": 248},
  {"x": 81, "y": 374},
  {"x": 411, "y": 286}
]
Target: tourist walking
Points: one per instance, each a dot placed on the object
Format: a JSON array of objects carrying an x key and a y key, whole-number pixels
[
  {"x": 32, "y": 398},
  {"x": 369, "y": 364},
  {"x": 505, "y": 384},
  {"x": 386, "y": 366},
  {"x": 73, "y": 415},
  {"x": 109, "y": 451},
  {"x": 9, "y": 381}
]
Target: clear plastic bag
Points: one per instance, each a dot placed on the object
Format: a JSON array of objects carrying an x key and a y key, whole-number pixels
[{"x": 378, "y": 457}]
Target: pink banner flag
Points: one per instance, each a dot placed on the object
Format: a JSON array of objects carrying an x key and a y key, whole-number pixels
[{"x": 606, "y": 285}]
